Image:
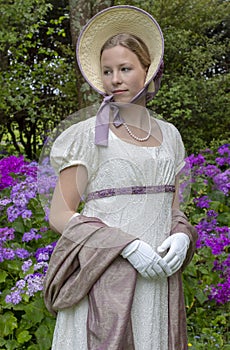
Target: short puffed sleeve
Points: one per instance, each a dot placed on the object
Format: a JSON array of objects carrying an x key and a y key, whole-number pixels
[{"x": 75, "y": 146}]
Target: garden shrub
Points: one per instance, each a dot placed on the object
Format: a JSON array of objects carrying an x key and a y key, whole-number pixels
[{"x": 207, "y": 278}]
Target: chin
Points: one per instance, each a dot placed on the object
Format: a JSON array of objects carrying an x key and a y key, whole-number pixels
[{"x": 122, "y": 100}]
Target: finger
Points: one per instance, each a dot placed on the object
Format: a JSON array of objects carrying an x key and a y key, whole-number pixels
[
  {"x": 165, "y": 266},
  {"x": 165, "y": 245},
  {"x": 169, "y": 256},
  {"x": 177, "y": 266},
  {"x": 172, "y": 263},
  {"x": 157, "y": 269},
  {"x": 145, "y": 275},
  {"x": 151, "y": 272}
]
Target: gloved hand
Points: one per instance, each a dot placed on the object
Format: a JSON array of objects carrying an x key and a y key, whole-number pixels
[
  {"x": 73, "y": 216},
  {"x": 177, "y": 244},
  {"x": 143, "y": 258}
]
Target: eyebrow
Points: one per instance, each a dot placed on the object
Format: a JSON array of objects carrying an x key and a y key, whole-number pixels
[{"x": 120, "y": 65}]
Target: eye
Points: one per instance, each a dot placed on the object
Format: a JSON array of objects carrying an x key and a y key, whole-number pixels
[
  {"x": 107, "y": 71},
  {"x": 125, "y": 69}
]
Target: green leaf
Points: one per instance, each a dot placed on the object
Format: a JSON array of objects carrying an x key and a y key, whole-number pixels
[
  {"x": 18, "y": 225},
  {"x": 24, "y": 337},
  {"x": 3, "y": 275},
  {"x": 42, "y": 336},
  {"x": 12, "y": 266},
  {"x": 2, "y": 342},
  {"x": 33, "y": 347},
  {"x": 11, "y": 345},
  {"x": 224, "y": 218},
  {"x": 34, "y": 311},
  {"x": 201, "y": 297},
  {"x": 8, "y": 322}
]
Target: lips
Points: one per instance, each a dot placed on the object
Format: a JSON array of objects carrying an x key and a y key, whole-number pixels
[{"x": 118, "y": 91}]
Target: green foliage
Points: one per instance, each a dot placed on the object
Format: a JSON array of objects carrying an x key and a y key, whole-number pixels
[
  {"x": 37, "y": 72},
  {"x": 26, "y": 326},
  {"x": 194, "y": 87}
]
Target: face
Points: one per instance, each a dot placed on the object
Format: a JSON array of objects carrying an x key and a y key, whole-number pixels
[{"x": 123, "y": 76}]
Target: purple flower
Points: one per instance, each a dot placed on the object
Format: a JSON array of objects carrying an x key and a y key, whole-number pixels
[
  {"x": 205, "y": 228},
  {"x": 222, "y": 182},
  {"x": 5, "y": 201},
  {"x": 223, "y": 230},
  {"x": 223, "y": 266},
  {"x": 26, "y": 265},
  {"x": 13, "y": 213},
  {"x": 221, "y": 292},
  {"x": 47, "y": 179},
  {"x": 6, "y": 234},
  {"x": 212, "y": 214},
  {"x": 14, "y": 298},
  {"x": 210, "y": 170},
  {"x": 43, "y": 254},
  {"x": 34, "y": 283},
  {"x": 8, "y": 166},
  {"x": 15, "y": 165},
  {"x": 23, "y": 191},
  {"x": 21, "y": 284},
  {"x": 8, "y": 254},
  {"x": 41, "y": 265},
  {"x": 26, "y": 214},
  {"x": 202, "y": 202},
  {"x": 22, "y": 253},
  {"x": 29, "y": 236},
  {"x": 222, "y": 161},
  {"x": 196, "y": 160},
  {"x": 217, "y": 243},
  {"x": 224, "y": 149},
  {"x": 18, "y": 198}
]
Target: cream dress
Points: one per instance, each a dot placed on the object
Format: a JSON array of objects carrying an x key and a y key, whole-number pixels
[{"x": 147, "y": 216}]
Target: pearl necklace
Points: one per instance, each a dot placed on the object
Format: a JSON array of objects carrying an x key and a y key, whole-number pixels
[{"x": 136, "y": 137}]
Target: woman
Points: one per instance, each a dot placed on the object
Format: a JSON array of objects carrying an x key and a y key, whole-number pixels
[{"x": 126, "y": 164}]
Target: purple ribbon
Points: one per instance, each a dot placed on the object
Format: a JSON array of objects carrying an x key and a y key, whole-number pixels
[
  {"x": 102, "y": 117},
  {"x": 110, "y": 192}
]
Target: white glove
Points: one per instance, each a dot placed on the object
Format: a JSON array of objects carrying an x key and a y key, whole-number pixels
[
  {"x": 143, "y": 258},
  {"x": 177, "y": 244},
  {"x": 73, "y": 216}
]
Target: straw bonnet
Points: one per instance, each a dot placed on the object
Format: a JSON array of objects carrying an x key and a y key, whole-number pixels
[{"x": 112, "y": 21}]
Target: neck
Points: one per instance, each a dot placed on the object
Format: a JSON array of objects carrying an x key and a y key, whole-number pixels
[
  {"x": 133, "y": 115},
  {"x": 133, "y": 110}
]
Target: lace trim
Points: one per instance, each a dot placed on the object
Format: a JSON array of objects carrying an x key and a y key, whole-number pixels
[{"x": 109, "y": 192}]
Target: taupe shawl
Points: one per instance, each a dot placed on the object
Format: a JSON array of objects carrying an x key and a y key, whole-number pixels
[
  {"x": 86, "y": 261},
  {"x": 177, "y": 313}
]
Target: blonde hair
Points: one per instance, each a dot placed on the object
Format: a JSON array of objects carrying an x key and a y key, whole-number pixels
[{"x": 133, "y": 43}]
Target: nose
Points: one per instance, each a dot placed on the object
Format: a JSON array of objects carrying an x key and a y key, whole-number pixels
[{"x": 116, "y": 78}]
